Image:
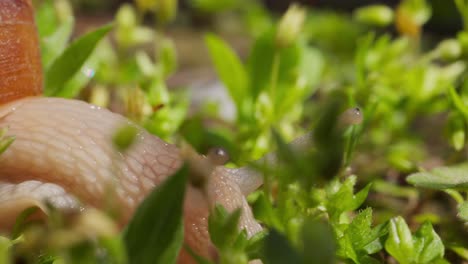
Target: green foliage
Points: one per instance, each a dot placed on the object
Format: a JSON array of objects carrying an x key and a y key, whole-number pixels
[
  {"x": 5, "y": 141},
  {"x": 70, "y": 61},
  {"x": 341, "y": 197},
  {"x": 155, "y": 233},
  {"x": 360, "y": 240},
  {"x": 453, "y": 177},
  {"x": 278, "y": 249},
  {"x": 266, "y": 90},
  {"x": 425, "y": 246},
  {"x": 233, "y": 246},
  {"x": 302, "y": 70},
  {"x": 229, "y": 68}
]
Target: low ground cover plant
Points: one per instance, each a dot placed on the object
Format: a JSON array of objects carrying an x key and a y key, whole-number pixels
[{"x": 389, "y": 188}]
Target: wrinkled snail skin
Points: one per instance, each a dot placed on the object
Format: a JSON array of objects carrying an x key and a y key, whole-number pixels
[
  {"x": 20, "y": 64},
  {"x": 63, "y": 152}
]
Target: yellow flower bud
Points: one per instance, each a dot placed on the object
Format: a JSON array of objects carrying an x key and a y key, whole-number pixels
[{"x": 290, "y": 26}]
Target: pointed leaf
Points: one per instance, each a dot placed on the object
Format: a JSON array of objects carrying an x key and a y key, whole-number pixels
[
  {"x": 400, "y": 242},
  {"x": 230, "y": 69},
  {"x": 155, "y": 232},
  {"x": 428, "y": 244},
  {"x": 71, "y": 60}
]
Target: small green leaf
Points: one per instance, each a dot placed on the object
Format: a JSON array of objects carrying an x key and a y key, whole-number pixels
[
  {"x": 21, "y": 221},
  {"x": 155, "y": 233},
  {"x": 463, "y": 211},
  {"x": 427, "y": 244},
  {"x": 400, "y": 242},
  {"x": 222, "y": 226},
  {"x": 458, "y": 102},
  {"x": 124, "y": 137},
  {"x": 264, "y": 211},
  {"x": 5, "y": 141},
  {"x": 318, "y": 243},
  {"x": 71, "y": 60},
  {"x": 229, "y": 68},
  {"x": 360, "y": 239},
  {"x": 115, "y": 249},
  {"x": 168, "y": 57},
  {"x": 278, "y": 250},
  {"x": 454, "y": 177},
  {"x": 53, "y": 45},
  {"x": 5, "y": 244},
  {"x": 341, "y": 197}
]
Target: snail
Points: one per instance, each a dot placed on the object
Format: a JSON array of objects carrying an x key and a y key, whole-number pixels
[{"x": 63, "y": 152}]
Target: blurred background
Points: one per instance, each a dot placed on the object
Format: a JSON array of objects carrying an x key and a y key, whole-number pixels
[{"x": 444, "y": 20}]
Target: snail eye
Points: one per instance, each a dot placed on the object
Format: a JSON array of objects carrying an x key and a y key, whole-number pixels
[
  {"x": 218, "y": 156},
  {"x": 352, "y": 116}
]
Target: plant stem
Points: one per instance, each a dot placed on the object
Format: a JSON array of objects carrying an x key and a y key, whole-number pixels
[{"x": 274, "y": 79}]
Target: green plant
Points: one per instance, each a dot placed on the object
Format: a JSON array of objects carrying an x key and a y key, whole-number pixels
[{"x": 346, "y": 196}]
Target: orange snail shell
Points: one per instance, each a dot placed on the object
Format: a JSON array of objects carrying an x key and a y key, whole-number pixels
[{"x": 20, "y": 63}]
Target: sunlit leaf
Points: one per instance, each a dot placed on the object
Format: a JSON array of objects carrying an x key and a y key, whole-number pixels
[
  {"x": 71, "y": 60},
  {"x": 400, "y": 241},
  {"x": 229, "y": 68}
]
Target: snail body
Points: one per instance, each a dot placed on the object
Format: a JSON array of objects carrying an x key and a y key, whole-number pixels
[{"x": 63, "y": 152}]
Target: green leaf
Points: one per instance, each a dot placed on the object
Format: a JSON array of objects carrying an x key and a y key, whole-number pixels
[
  {"x": 341, "y": 197},
  {"x": 222, "y": 226},
  {"x": 264, "y": 212},
  {"x": 427, "y": 244},
  {"x": 319, "y": 245},
  {"x": 400, "y": 242},
  {"x": 155, "y": 233},
  {"x": 454, "y": 177},
  {"x": 457, "y": 101},
  {"x": 230, "y": 69},
  {"x": 54, "y": 44},
  {"x": 5, "y": 245},
  {"x": 362, "y": 235},
  {"x": 360, "y": 239},
  {"x": 278, "y": 250},
  {"x": 21, "y": 221},
  {"x": 124, "y": 137},
  {"x": 71, "y": 60},
  {"x": 115, "y": 249},
  {"x": 46, "y": 18},
  {"x": 463, "y": 211},
  {"x": 5, "y": 142}
]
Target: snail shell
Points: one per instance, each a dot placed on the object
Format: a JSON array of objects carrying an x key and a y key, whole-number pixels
[{"x": 20, "y": 64}]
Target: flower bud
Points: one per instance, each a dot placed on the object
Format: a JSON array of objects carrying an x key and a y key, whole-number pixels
[
  {"x": 378, "y": 15},
  {"x": 126, "y": 17},
  {"x": 449, "y": 49},
  {"x": 462, "y": 38},
  {"x": 411, "y": 15},
  {"x": 166, "y": 10},
  {"x": 290, "y": 26}
]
